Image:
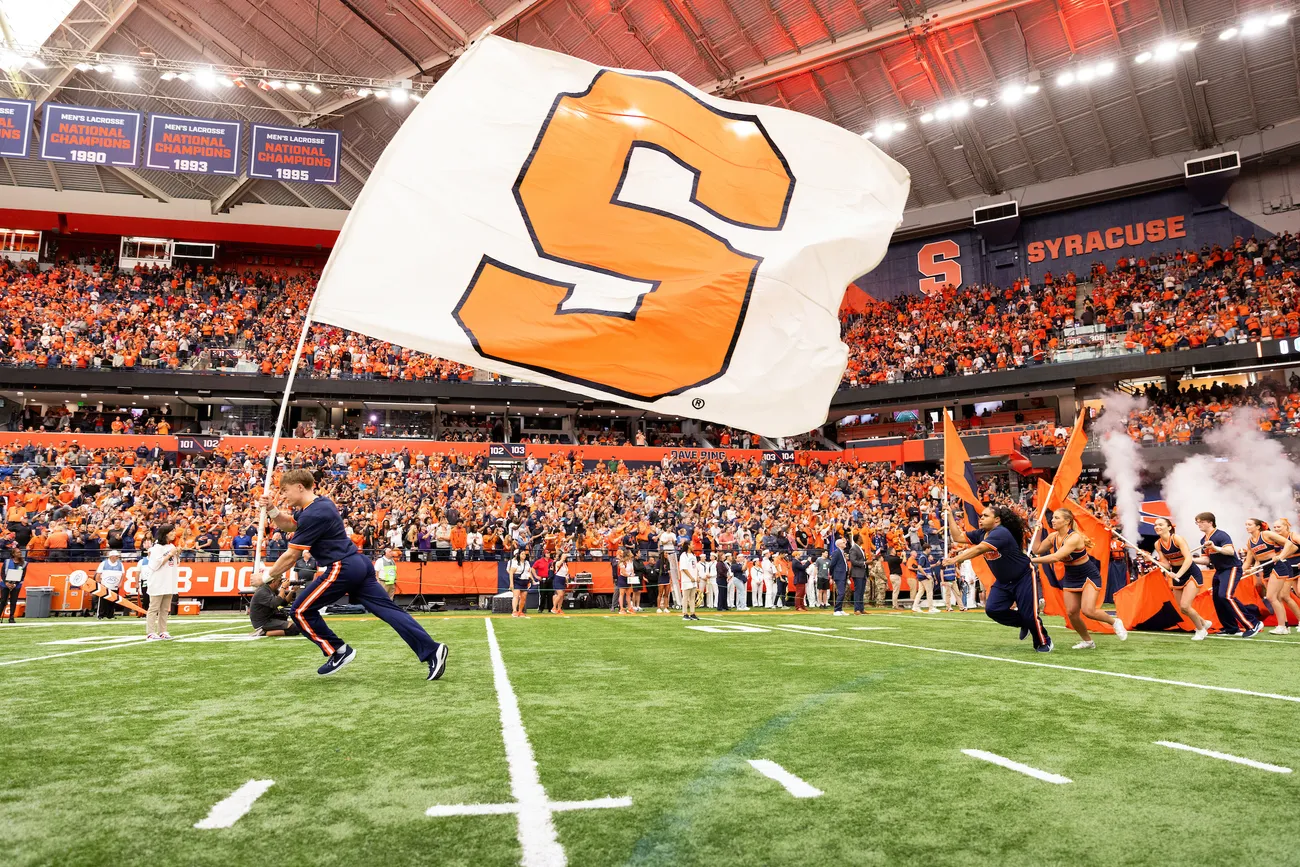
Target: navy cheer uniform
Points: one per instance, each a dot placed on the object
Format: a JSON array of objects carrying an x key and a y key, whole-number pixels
[
  {"x": 1235, "y": 616},
  {"x": 1015, "y": 584},
  {"x": 1264, "y": 553},
  {"x": 347, "y": 572},
  {"x": 1174, "y": 556},
  {"x": 1080, "y": 569}
]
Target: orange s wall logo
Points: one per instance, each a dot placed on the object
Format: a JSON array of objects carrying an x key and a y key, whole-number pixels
[
  {"x": 682, "y": 332},
  {"x": 937, "y": 260}
]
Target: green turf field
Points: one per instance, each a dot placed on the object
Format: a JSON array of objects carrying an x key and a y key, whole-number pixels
[{"x": 112, "y": 756}]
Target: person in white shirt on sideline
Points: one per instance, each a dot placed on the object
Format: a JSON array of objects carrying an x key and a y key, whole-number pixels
[
  {"x": 689, "y": 578},
  {"x": 668, "y": 549},
  {"x": 109, "y": 574},
  {"x": 164, "y": 574},
  {"x": 756, "y": 578},
  {"x": 770, "y": 582},
  {"x": 708, "y": 570}
]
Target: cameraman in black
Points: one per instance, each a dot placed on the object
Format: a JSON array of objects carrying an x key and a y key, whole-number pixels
[{"x": 266, "y": 608}]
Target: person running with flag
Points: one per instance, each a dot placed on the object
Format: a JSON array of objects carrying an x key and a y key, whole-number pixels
[
  {"x": 317, "y": 527},
  {"x": 999, "y": 541},
  {"x": 1081, "y": 584}
]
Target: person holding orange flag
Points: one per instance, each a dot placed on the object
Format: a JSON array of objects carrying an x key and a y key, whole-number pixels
[
  {"x": 1081, "y": 584},
  {"x": 1174, "y": 555}
]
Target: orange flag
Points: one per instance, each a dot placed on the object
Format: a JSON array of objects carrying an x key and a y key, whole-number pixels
[
  {"x": 1071, "y": 466},
  {"x": 960, "y": 481}
]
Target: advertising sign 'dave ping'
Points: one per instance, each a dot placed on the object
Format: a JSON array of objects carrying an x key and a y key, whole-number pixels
[
  {"x": 197, "y": 145},
  {"x": 290, "y": 154},
  {"x": 100, "y": 136}
]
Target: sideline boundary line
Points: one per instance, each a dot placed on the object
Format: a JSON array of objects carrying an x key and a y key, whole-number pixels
[
  {"x": 100, "y": 647},
  {"x": 1161, "y": 634},
  {"x": 1029, "y": 662}
]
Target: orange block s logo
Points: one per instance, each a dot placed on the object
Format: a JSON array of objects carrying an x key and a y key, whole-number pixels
[
  {"x": 681, "y": 333},
  {"x": 937, "y": 261}
]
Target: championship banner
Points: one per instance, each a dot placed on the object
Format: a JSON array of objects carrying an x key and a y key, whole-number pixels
[
  {"x": 100, "y": 136},
  {"x": 196, "y": 145},
  {"x": 197, "y": 445},
  {"x": 15, "y": 127},
  {"x": 619, "y": 234},
  {"x": 290, "y": 154}
]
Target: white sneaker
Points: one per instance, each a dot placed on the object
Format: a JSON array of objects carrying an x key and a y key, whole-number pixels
[
  {"x": 937, "y": 610},
  {"x": 916, "y": 610},
  {"x": 1280, "y": 630},
  {"x": 1199, "y": 635},
  {"x": 153, "y": 636},
  {"x": 1085, "y": 645},
  {"x": 838, "y": 614},
  {"x": 1120, "y": 632}
]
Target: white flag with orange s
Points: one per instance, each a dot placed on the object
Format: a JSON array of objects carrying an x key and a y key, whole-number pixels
[{"x": 617, "y": 234}]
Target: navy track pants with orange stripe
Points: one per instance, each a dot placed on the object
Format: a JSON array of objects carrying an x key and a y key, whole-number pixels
[
  {"x": 354, "y": 578},
  {"x": 1234, "y": 615},
  {"x": 1024, "y": 595}
]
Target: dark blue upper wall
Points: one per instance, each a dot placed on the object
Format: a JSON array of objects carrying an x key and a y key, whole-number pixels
[{"x": 1058, "y": 242}]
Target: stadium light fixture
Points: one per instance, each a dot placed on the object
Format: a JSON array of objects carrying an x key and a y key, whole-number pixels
[
  {"x": 1086, "y": 74},
  {"x": 417, "y": 97},
  {"x": 1253, "y": 26},
  {"x": 868, "y": 135},
  {"x": 943, "y": 113},
  {"x": 185, "y": 76},
  {"x": 927, "y": 117},
  {"x": 1105, "y": 68},
  {"x": 363, "y": 92},
  {"x": 381, "y": 94},
  {"x": 205, "y": 78},
  {"x": 1189, "y": 45},
  {"x": 1277, "y": 19},
  {"x": 102, "y": 67},
  {"x": 84, "y": 67},
  {"x": 1142, "y": 57},
  {"x": 980, "y": 102},
  {"x": 275, "y": 84},
  {"x": 224, "y": 82},
  {"x": 124, "y": 73},
  {"x": 398, "y": 95},
  {"x": 960, "y": 108},
  {"x": 1031, "y": 89},
  {"x": 1166, "y": 50},
  {"x": 311, "y": 88},
  {"x": 293, "y": 85},
  {"x": 34, "y": 62},
  {"x": 1013, "y": 93},
  {"x": 1228, "y": 34},
  {"x": 899, "y": 126},
  {"x": 1065, "y": 79},
  {"x": 167, "y": 76}
]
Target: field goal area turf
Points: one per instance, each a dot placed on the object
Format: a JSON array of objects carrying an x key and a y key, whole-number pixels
[{"x": 746, "y": 738}]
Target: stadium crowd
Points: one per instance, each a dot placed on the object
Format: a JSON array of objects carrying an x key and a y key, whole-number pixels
[{"x": 89, "y": 315}]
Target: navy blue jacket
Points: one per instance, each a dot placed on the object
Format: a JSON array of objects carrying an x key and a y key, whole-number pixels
[{"x": 839, "y": 567}]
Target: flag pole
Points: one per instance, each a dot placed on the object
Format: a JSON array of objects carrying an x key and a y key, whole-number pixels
[
  {"x": 275, "y": 437},
  {"x": 1042, "y": 513},
  {"x": 947, "y": 545}
]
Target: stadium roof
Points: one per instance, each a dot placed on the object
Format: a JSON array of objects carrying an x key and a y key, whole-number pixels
[{"x": 913, "y": 75}]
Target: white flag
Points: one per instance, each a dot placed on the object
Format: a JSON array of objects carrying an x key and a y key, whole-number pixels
[{"x": 620, "y": 235}]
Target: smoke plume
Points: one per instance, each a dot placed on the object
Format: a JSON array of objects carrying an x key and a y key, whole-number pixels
[
  {"x": 1123, "y": 467},
  {"x": 1247, "y": 475}
]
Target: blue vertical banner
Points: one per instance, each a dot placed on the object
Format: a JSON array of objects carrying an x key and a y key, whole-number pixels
[
  {"x": 291, "y": 154},
  {"x": 197, "y": 145},
  {"x": 99, "y": 136},
  {"x": 15, "y": 127}
]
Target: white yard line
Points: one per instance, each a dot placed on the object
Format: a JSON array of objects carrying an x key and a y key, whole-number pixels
[
  {"x": 795, "y": 786},
  {"x": 1250, "y": 763},
  {"x": 229, "y": 811},
  {"x": 1003, "y": 761},
  {"x": 536, "y": 831},
  {"x": 1033, "y": 664},
  {"x": 873, "y": 628},
  {"x": 121, "y": 620},
  {"x": 537, "y": 836},
  {"x": 808, "y": 628},
  {"x": 110, "y": 647}
]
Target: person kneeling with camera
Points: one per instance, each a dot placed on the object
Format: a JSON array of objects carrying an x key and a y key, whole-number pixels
[{"x": 266, "y": 608}]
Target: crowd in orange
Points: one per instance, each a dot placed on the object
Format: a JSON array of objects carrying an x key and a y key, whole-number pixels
[
  {"x": 193, "y": 316},
  {"x": 71, "y": 503}
]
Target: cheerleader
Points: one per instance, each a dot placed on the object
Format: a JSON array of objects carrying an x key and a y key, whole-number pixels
[
  {"x": 521, "y": 578},
  {"x": 1264, "y": 557},
  {"x": 1082, "y": 582},
  {"x": 559, "y": 581},
  {"x": 1173, "y": 553},
  {"x": 1290, "y": 560}
]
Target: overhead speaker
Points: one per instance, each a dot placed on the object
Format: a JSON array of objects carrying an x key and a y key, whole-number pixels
[
  {"x": 1208, "y": 178},
  {"x": 997, "y": 224}
]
